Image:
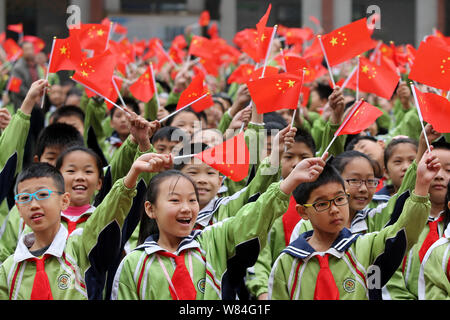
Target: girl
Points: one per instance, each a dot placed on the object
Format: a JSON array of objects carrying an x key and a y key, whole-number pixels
[
  {"x": 179, "y": 263},
  {"x": 434, "y": 275}
]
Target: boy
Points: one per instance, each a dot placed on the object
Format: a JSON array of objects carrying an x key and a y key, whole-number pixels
[
  {"x": 166, "y": 138},
  {"x": 71, "y": 115},
  {"x": 52, "y": 264},
  {"x": 344, "y": 259}
]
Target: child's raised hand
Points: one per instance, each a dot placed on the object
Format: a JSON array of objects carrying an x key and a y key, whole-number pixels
[
  {"x": 284, "y": 139},
  {"x": 431, "y": 135},
  {"x": 427, "y": 169},
  {"x": 36, "y": 91},
  {"x": 149, "y": 162},
  {"x": 307, "y": 170},
  {"x": 139, "y": 128},
  {"x": 336, "y": 103}
]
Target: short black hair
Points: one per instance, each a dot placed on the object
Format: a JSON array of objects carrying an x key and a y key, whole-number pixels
[
  {"x": 329, "y": 175},
  {"x": 200, "y": 115},
  {"x": 274, "y": 117},
  {"x": 344, "y": 158},
  {"x": 67, "y": 111},
  {"x": 167, "y": 133},
  {"x": 272, "y": 125},
  {"x": 441, "y": 143},
  {"x": 304, "y": 136},
  {"x": 192, "y": 148},
  {"x": 41, "y": 170},
  {"x": 59, "y": 135},
  {"x": 351, "y": 144},
  {"x": 98, "y": 160},
  {"x": 395, "y": 142},
  {"x": 323, "y": 90},
  {"x": 129, "y": 102}
]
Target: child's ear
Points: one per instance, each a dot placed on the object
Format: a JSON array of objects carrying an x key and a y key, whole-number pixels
[
  {"x": 220, "y": 180},
  {"x": 301, "y": 211},
  {"x": 99, "y": 184},
  {"x": 35, "y": 158},
  {"x": 448, "y": 204},
  {"x": 386, "y": 173},
  {"x": 65, "y": 201},
  {"x": 149, "y": 210}
]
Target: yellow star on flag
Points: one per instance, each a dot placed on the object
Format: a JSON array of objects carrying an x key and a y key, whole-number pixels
[
  {"x": 84, "y": 73},
  {"x": 333, "y": 41},
  {"x": 290, "y": 83},
  {"x": 100, "y": 32},
  {"x": 365, "y": 69},
  {"x": 63, "y": 50}
]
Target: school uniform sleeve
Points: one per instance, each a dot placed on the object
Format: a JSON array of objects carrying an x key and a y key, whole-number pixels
[
  {"x": 173, "y": 97},
  {"x": 279, "y": 277},
  {"x": 13, "y": 139},
  {"x": 151, "y": 109},
  {"x": 12, "y": 226},
  {"x": 434, "y": 278},
  {"x": 249, "y": 227},
  {"x": 409, "y": 126},
  {"x": 123, "y": 159},
  {"x": 224, "y": 122},
  {"x": 108, "y": 216},
  {"x": 147, "y": 176},
  {"x": 323, "y": 133},
  {"x": 94, "y": 113}
]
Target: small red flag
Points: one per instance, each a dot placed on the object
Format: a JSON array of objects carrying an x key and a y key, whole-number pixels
[
  {"x": 18, "y": 28},
  {"x": 66, "y": 55},
  {"x": 96, "y": 72},
  {"x": 213, "y": 31},
  {"x": 112, "y": 92},
  {"x": 92, "y": 36},
  {"x": 204, "y": 18},
  {"x": 280, "y": 91},
  {"x": 143, "y": 88},
  {"x": 347, "y": 42},
  {"x": 14, "y": 84},
  {"x": 12, "y": 49},
  {"x": 231, "y": 158},
  {"x": 360, "y": 118},
  {"x": 195, "y": 90},
  {"x": 201, "y": 47},
  {"x": 120, "y": 29},
  {"x": 432, "y": 66},
  {"x": 241, "y": 74},
  {"x": 298, "y": 35},
  {"x": 434, "y": 109}
]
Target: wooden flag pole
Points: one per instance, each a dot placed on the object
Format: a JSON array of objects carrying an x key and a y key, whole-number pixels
[
  {"x": 48, "y": 69},
  {"x": 419, "y": 112},
  {"x": 326, "y": 60}
]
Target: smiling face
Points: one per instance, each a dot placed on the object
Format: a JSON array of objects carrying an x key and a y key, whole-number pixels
[
  {"x": 358, "y": 168},
  {"x": 175, "y": 210},
  {"x": 401, "y": 158},
  {"x": 186, "y": 121},
  {"x": 81, "y": 177},
  {"x": 42, "y": 216},
  {"x": 332, "y": 220},
  {"x": 206, "y": 179}
]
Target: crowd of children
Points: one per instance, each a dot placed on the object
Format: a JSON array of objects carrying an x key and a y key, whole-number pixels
[{"x": 101, "y": 208}]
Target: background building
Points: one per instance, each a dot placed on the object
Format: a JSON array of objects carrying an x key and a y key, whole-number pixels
[{"x": 403, "y": 21}]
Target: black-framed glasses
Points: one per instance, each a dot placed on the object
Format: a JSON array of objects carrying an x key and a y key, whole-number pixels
[
  {"x": 41, "y": 194},
  {"x": 370, "y": 183},
  {"x": 323, "y": 205}
]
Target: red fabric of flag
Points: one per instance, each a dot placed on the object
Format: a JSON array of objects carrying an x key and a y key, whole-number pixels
[
  {"x": 213, "y": 31},
  {"x": 269, "y": 71},
  {"x": 112, "y": 92},
  {"x": 275, "y": 92},
  {"x": 231, "y": 158},
  {"x": 432, "y": 66},
  {"x": 204, "y": 18},
  {"x": 18, "y": 28},
  {"x": 360, "y": 118},
  {"x": 66, "y": 55},
  {"x": 241, "y": 74},
  {"x": 97, "y": 72},
  {"x": 195, "y": 90},
  {"x": 92, "y": 36},
  {"x": 143, "y": 88},
  {"x": 14, "y": 84},
  {"x": 201, "y": 47},
  {"x": 376, "y": 79},
  {"x": 298, "y": 35},
  {"x": 435, "y": 110},
  {"x": 347, "y": 42},
  {"x": 12, "y": 49}
]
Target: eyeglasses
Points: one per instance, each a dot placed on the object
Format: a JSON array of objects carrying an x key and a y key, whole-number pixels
[
  {"x": 323, "y": 205},
  {"x": 370, "y": 183},
  {"x": 41, "y": 194}
]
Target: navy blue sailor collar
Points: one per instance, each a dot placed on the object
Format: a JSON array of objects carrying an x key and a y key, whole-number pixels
[
  {"x": 151, "y": 246},
  {"x": 300, "y": 248}
]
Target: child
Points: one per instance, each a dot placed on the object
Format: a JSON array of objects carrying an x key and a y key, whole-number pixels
[
  {"x": 166, "y": 138},
  {"x": 434, "y": 275},
  {"x": 207, "y": 254},
  {"x": 187, "y": 120},
  {"x": 51, "y": 264},
  {"x": 398, "y": 156},
  {"x": 343, "y": 259},
  {"x": 70, "y": 115}
]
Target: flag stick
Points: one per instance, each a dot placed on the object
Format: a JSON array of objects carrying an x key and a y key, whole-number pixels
[
  {"x": 375, "y": 51},
  {"x": 274, "y": 32},
  {"x": 344, "y": 85},
  {"x": 48, "y": 69},
  {"x": 282, "y": 58},
  {"x": 329, "y": 146},
  {"x": 357, "y": 82},
  {"x": 326, "y": 60},
  {"x": 118, "y": 92},
  {"x": 109, "y": 34},
  {"x": 181, "y": 109},
  {"x": 123, "y": 79},
  {"x": 185, "y": 156},
  {"x": 419, "y": 112},
  {"x": 100, "y": 95},
  {"x": 155, "y": 90},
  {"x": 448, "y": 95}
]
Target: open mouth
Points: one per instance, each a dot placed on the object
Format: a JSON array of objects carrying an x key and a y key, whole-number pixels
[
  {"x": 202, "y": 191},
  {"x": 186, "y": 221},
  {"x": 36, "y": 216},
  {"x": 80, "y": 188}
]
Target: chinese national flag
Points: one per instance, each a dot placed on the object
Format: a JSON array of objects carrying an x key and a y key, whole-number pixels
[
  {"x": 231, "y": 158},
  {"x": 120, "y": 29},
  {"x": 275, "y": 92},
  {"x": 201, "y": 47},
  {"x": 294, "y": 64},
  {"x": 195, "y": 90},
  {"x": 143, "y": 88},
  {"x": 97, "y": 72},
  {"x": 270, "y": 71},
  {"x": 18, "y": 28},
  {"x": 432, "y": 66},
  {"x": 92, "y": 36},
  {"x": 298, "y": 35},
  {"x": 12, "y": 49},
  {"x": 434, "y": 109},
  {"x": 375, "y": 79},
  {"x": 213, "y": 31},
  {"x": 204, "y": 18},
  {"x": 347, "y": 42},
  {"x": 14, "y": 84},
  {"x": 360, "y": 118},
  {"x": 241, "y": 74},
  {"x": 66, "y": 55}
]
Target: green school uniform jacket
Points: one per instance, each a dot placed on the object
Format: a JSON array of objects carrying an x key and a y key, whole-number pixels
[
  {"x": 434, "y": 273},
  {"x": 209, "y": 252},
  {"x": 69, "y": 261},
  {"x": 295, "y": 271}
]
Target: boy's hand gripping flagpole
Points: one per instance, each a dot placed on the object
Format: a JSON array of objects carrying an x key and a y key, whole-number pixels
[
  {"x": 419, "y": 112},
  {"x": 48, "y": 68},
  {"x": 100, "y": 95},
  {"x": 326, "y": 60},
  {"x": 336, "y": 134},
  {"x": 181, "y": 109}
]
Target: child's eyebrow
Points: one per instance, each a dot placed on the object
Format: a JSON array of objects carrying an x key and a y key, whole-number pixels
[
  {"x": 326, "y": 198},
  {"x": 37, "y": 188}
]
